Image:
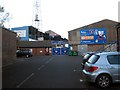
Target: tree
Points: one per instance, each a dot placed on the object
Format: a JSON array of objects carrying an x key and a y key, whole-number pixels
[
  {"x": 4, "y": 16},
  {"x": 57, "y": 38}
]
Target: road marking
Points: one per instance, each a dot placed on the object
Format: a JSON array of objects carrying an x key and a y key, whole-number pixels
[
  {"x": 49, "y": 60},
  {"x": 41, "y": 67},
  {"x": 74, "y": 70},
  {"x": 45, "y": 63},
  {"x": 81, "y": 80},
  {"x": 24, "y": 81}
]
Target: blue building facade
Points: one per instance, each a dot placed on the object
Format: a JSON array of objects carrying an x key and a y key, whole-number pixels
[{"x": 26, "y": 33}]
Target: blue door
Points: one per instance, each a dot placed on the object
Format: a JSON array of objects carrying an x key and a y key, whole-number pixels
[
  {"x": 56, "y": 51},
  {"x": 64, "y": 51},
  {"x": 60, "y": 51}
]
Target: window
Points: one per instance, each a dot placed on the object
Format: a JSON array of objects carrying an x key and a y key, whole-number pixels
[
  {"x": 114, "y": 59},
  {"x": 87, "y": 56},
  {"x": 93, "y": 59}
]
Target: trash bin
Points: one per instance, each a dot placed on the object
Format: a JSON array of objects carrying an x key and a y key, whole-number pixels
[
  {"x": 73, "y": 53},
  {"x": 70, "y": 53}
]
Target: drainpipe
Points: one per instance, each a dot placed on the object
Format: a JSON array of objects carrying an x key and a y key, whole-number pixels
[
  {"x": 118, "y": 40},
  {"x": 118, "y": 27}
]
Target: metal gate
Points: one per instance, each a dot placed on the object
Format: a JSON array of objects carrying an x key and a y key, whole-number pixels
[
  {"x": 60, "y": 51},
  {"x": 55, "y": 51}
]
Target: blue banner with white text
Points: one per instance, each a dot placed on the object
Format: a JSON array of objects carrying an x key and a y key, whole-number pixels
[{"x": 93, "y": 36}]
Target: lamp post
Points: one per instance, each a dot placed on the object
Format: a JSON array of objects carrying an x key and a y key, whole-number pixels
[{"x": 118, "y": 42}]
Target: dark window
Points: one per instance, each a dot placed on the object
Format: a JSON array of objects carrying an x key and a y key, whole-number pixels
[
  {"x": 114, "y": 59},
  {"x": 93, "y": 59},
  {"x": 32, "y": 33}
]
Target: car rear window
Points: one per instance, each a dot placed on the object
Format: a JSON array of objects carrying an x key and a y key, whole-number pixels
[
  {"x": 87, "y": 56},
  {"x": 93, "y": 59},
  {"x": 114, "y": 59}
]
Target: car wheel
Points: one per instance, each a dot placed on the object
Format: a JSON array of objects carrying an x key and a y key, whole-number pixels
[{"x": 103, "y": 80}]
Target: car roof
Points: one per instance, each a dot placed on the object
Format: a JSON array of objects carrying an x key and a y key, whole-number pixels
[
  {"x": 90, "y": 52},
  {"x": 108, "y": 53}
]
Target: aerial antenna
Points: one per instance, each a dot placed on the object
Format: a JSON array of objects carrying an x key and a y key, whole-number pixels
[
  {"x": 37, "y": 15},
  {"x": 37, "y": 22}
]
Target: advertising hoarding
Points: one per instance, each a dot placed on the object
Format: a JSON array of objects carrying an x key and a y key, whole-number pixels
[
  {"x": 93, "y": 36},
  {"x": 21, "y": 33}
]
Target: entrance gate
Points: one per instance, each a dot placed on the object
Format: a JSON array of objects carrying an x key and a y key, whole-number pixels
[{"x": 60, "y": 51}]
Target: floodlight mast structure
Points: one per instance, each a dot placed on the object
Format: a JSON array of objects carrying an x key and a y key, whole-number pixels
[
  {"x": 36, "y": 15},
  {"x": 37, "y": 22}
]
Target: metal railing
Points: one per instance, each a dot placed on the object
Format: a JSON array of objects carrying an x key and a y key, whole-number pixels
[{"x": 108, "y": 46}]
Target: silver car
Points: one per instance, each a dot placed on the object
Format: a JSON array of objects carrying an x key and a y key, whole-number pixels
[{"x": 103, "y": 69}]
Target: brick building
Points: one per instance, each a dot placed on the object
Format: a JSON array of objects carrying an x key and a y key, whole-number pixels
[
  {"x": 38, "y": 48},
  {"x": 81, "y": 40}
]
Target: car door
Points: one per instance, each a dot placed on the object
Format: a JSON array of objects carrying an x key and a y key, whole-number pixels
[{"x": 114, "y": 67}]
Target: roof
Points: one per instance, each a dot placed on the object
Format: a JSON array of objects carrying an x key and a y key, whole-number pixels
[
  {"x": 108, "y": 53},
  {"x": 83, "y": 27},
  {"x": 35, "y": 44},
  {"x": 3, "y": 28},
  {"x": 52, "y": 33}
]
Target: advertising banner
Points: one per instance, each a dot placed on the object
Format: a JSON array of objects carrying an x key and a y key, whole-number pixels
[
  {"x": 93, "y": 36},
  {"x": 21, "y": 33}
]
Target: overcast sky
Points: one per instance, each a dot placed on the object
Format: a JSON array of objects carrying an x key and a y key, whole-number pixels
[{"x": 61, "y": 16}]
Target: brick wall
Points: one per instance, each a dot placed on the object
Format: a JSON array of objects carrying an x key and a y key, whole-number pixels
[
  {"x": 93, "y": 48},
  {"x": 8, "y": 47}
]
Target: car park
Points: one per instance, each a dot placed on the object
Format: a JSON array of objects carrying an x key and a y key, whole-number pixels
[
  {"x": 85, "y": 58},
  {"x": 103, "y": 69}
]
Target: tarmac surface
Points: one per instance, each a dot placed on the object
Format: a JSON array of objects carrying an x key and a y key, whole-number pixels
[{"x": 47, "y": 72}]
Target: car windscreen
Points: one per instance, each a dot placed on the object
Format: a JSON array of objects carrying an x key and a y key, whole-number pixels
[{"x": 93, "y": 59}]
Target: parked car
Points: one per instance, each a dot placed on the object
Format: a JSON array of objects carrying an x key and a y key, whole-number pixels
[
  {"x": 23, "y": 53},
  {"x": 85, "y": 58},
  {"x": 103, "y": 69}
]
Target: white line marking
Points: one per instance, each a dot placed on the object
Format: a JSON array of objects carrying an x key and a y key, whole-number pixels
[
  {"x": 24, "y": 81},
  {"x": 81, "y": 80},
  {"x": 45, "y": 63},
  {"x": 49, "y": 60},
  {"x": 41, "y": 67},
  {"x": 74, "y": 70}
]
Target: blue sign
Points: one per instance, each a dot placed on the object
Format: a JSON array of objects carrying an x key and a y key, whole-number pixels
[
  {"x": 22, "y": 32},
  {"x": 93, "y": 36},
  {"x": 58, "y": 42}
]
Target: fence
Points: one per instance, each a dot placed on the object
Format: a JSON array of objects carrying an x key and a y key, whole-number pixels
[{"x": 111, "y": 47}]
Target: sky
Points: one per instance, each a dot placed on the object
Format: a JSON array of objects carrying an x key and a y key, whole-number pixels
[{"x": 60, "y": 16}]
